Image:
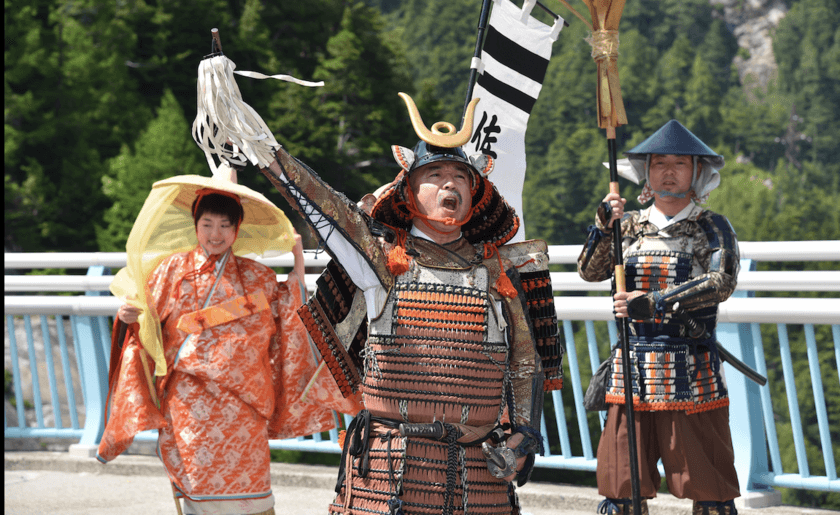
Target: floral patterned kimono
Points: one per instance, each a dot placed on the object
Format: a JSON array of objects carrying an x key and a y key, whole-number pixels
[{"x": 238, "y": 360}]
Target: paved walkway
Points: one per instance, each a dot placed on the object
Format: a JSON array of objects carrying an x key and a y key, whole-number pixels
[{"x": 59, "y": 483}]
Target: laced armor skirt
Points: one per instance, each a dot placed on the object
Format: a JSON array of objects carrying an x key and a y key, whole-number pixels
[{"x": 419, "y": 476}]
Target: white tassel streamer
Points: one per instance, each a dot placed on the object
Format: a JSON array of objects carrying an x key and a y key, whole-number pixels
[
  {"x": 220, "y": 107},
  {"x": 287, "y": 78}
]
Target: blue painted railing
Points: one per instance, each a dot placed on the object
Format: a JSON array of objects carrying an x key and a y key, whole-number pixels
[{"x": 586, "y": 321}]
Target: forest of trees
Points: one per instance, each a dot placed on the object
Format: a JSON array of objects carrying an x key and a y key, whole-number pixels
[{"x": 100, "y": 97}]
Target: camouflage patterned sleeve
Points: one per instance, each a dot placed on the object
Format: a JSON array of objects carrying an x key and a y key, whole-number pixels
[
  {"x": 716, "y": 250},
  {"x": 596, "y": 261}
]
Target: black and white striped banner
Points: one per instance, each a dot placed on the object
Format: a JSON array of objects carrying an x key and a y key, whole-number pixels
[{"x": 515, "y": 56}]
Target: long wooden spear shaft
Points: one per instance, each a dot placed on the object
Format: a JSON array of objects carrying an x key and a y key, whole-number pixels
[
  {"x": 623, "y": 334},
  {"x": 606, "y": 15}
]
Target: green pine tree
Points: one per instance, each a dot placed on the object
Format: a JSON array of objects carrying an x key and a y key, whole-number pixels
[
  {"x": 163, "y": 150},
  {"x": 69, "y": 104}
]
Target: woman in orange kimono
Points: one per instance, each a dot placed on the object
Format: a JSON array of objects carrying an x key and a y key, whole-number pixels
[{"x": 231, "y": 339}]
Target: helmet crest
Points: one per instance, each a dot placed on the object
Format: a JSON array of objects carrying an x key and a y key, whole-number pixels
[{"x": 443, "y": 133}]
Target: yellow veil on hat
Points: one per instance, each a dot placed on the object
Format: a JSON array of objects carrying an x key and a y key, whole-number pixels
[{"x": 165, "y": 226}]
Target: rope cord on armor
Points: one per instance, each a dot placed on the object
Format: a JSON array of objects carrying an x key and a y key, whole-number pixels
[
  {"x": 464, "y": 479},
  {"x": 506, "y": 385},
  {"x": 659, "y": 309},
  {"x": 403, "y": 407},
  {"x": 371, "y": 388},
  {"x": 348, "y": 485},
  {"x": 416, "y": 341},
  {"x": 344, "y": 448},
  {"x": 503, "y": 284},
  {"x": 465, "y": 359},
  {"x": 395, "y": 504},
  {"x": 509, "y": 394},
  {"x": 360, "y": 442},
  {"x": 390, "y": 465},
  {"x": 451, "y": 467},
  {"x": 372, "y": 364},
  {"x": 419, "y": 375},
  {"x": 462, "y": 359},
  {"x": 637, "y": 380},
  {"x": 532, "y": 260},
  {"x": 502, "y": 367},
  {"x": 317, "y": 219},
  {"x": 357, "y": 444},
  {"x": 714, "y": 355},
  {"x": 310, "y": 211},
  {"x": 345, "y": 473}
]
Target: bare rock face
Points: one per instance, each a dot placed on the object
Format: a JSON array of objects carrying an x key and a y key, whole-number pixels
[{"x": 753, "y": 23}]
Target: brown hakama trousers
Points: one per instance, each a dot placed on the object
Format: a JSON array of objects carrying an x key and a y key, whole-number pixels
[{"x": 696, "y": 452}]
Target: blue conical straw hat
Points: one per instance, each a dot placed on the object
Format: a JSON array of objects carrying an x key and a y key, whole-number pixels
[{"x": 674, "y": 138}]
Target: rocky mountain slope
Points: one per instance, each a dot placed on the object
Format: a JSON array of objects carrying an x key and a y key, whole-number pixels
[{"x": 753, "y": 23}]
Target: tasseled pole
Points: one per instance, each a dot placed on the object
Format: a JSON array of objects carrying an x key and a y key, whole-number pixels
[{"x": 222, "y": 117}]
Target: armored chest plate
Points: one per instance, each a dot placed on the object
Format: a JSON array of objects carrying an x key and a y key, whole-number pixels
[{"x": 437, "y": 351}]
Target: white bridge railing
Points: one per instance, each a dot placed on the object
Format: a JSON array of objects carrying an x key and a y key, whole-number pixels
[{"x": 77, "y": 393}]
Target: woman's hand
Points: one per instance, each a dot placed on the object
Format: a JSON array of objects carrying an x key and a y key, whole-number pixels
[
  {"x": 297, "y": 251},
  {"x": 128, "y": 313}
]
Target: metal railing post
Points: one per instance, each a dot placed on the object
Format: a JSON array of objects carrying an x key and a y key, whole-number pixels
[
  {"x": 745, "y": 417},
  {"x": 94, "y": 363}
]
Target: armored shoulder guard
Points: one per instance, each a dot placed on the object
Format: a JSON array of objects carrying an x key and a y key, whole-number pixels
[
  {"x": 722, "y": 242},
  {"x": 335, "y": 319}
]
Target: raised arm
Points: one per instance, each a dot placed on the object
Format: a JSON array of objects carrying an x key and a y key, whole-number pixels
[{"x": 340, "y": 225}]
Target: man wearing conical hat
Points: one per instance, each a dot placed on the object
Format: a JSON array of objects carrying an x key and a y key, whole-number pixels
[
  {"x": 458, "y": 337},
  {"x": 681, "y": 261},
  {"x": 215, "y": 351}
]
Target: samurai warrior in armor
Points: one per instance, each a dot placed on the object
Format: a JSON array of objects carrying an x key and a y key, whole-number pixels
[
  {"x": 681, "y": 261},
  {"x": 446, "y": 336}
]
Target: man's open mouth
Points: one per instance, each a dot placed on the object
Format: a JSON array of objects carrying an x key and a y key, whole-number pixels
[{"x": 450, "y": 203}]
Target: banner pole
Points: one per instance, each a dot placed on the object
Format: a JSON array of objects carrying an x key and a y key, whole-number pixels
[{"x": 479, "y": 40}]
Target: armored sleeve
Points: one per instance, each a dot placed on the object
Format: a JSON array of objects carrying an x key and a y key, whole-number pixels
[
  {"x": 596, "y": 261},
  {"x": 527, "y": 376},
  {"x": 340, "y": 225},
  {"x": 716, "y": 250},
  {"x": 526, "y": 396}
]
